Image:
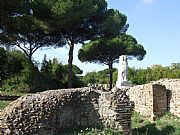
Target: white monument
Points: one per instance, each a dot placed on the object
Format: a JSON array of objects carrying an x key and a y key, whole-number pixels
[{"x": 123, "y": 72}]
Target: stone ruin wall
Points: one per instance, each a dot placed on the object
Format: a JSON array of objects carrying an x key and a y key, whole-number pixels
[
  {"x": 142, "y": 96},
  {"x": 149, "y": 99},
  {"x": 156, "y": 98},
  {"x": 50, "y": 112},
  {"x": 173, "y": 94}
]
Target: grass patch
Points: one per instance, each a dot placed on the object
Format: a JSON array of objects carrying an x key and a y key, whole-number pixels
[
  {"x": 165, "y": 125},
  {"x": 93, "y": 131},
  {"x": 13, "y": 93},
  {"x": 3, "y": 104}
]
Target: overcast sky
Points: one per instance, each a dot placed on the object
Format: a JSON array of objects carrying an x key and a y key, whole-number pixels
[{"x": 154, "y": 23}]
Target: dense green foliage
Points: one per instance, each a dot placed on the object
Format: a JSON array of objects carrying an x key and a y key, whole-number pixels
[
  {"x": 107, "y": 51},
  {"x": 112, "y": 43},
  {"x": 100, "y": 77},
  {"x": 20, "y": 75},
  {"x": 11, "y": 63},
  {"x": 76, "y": 21},
  {"x": 30, "y": 25},
  {"x": 8, "y": 9},
  {"x": 20, "y": 28},
  {"x": 136, "y": 76},
  {"x": 156, "y": 72}
]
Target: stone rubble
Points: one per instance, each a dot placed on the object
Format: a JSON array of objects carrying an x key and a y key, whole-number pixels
[{"x": 50, "y": 112}]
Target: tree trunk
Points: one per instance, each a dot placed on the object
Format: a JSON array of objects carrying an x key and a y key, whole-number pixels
[
  {"x": 110, "y": 75},
  {"x": 30, "y": 58},
  {"x": 71, "y": 48},
  {"x": 30, "y": 52}
]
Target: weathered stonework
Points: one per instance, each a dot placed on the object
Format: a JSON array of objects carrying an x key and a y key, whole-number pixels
[
  {"x": 156, "y": 98},
  {"x": 173, "y": 94},
  {"x": 50, "y": 112},
  {"x": 149, "y": 99}
]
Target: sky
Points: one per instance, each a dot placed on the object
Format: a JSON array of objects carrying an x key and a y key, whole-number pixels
[{"x": 154, "y": 23}]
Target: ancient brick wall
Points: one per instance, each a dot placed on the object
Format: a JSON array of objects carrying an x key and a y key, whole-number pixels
[
  {"x": 159, "y": 100},
  {"x": 50, "y": 112},
  {"x": 149, "y": 99},
  {"x": 173, "y": 94},
  {"x": 156, "y": 98},
  {"x": 142, "y": 95}
]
